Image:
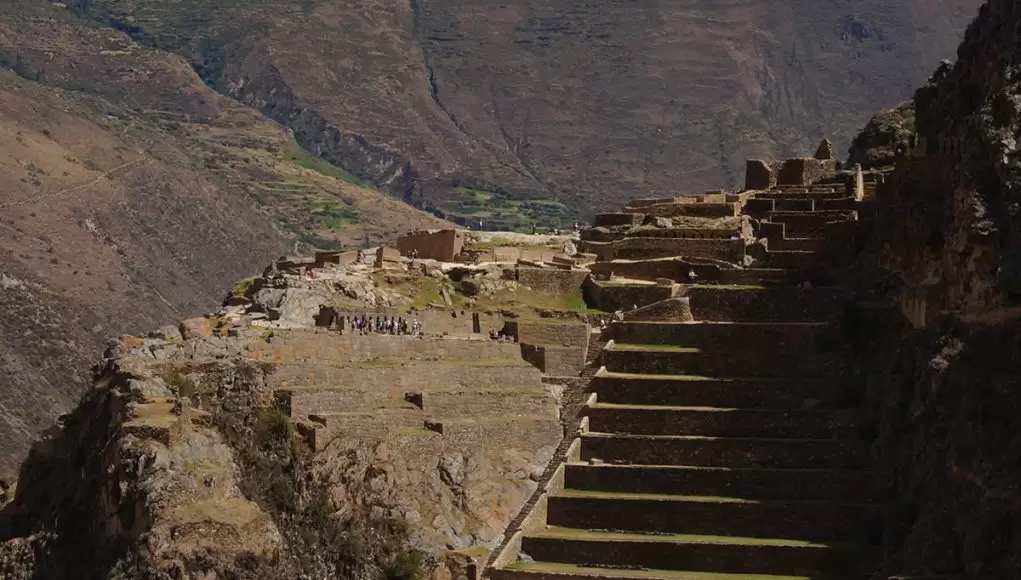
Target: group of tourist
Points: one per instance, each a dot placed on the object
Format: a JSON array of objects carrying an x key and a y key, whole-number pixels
[{"x": 383, "y": 325}]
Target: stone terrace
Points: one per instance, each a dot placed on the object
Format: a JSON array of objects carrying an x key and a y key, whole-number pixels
[
  {"x": 354, "y": 386},
  {"x": 731, "y": 444}
]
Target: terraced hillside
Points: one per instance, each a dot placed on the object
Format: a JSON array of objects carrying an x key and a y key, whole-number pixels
[
  {"x": 131, "y": 195},
  {"x": 576, "y": 103}
]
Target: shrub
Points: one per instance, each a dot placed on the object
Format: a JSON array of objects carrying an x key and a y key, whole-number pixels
[
  {"x": 274, "y": 427},
  {"x": 407, "y": 565},
  {"x": 180, "y": 384}
]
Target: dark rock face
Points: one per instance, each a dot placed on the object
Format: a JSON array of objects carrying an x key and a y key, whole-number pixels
[
  {"x": 887, "y": 135},
  {"x": 942, "y": 249}
]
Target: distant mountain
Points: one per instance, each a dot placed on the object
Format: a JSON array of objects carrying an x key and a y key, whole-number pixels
[
  {"x": 472, "y": 106},
  {"x": 132, "y": 195}
]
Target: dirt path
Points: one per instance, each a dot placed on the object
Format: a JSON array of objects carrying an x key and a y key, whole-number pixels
[{"x": 73, "y": 189}]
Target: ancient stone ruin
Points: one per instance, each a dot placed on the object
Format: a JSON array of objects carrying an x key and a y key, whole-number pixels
[{"x": 721, "y": 437}]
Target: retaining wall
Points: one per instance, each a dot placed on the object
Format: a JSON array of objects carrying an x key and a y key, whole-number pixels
[
  {"x": 329, "y": 347},
  {"x": 551, "y": 280},
  {"x": 547, "y": 331},
  {"x": 612, "y": 297},
  {"x": 555, "y": 360},
  {"x": 766, "y": 304}
]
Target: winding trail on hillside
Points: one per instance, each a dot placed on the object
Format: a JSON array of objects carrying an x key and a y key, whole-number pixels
[{"x": 75, "y": 188}]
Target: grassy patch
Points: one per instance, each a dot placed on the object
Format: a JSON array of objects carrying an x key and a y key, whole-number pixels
[
  {"x": 335, "y": 216},
  {"x": 302, "y": 158},
  {"x": 241, "y": 286},
  {"x": 499, "y": 211},
  {"x": 408, "y": 565}
]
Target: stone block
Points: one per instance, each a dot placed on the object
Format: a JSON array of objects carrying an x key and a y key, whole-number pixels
[
  {"x": 617, "y": 219},
  {"x": 804, "y": 171},
  {"x": 758, "y": 175},
  {"x": 550, "y": 280},
  {"x": 825, "y": 150},
  {"x": 441, "y": 245},
  {"x": 387, "y": 258}
]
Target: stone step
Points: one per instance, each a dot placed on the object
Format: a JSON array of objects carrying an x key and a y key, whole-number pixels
[
  {"x": 808, "y": 224},
  {"x": 669, "y": 390},
  {"x": 802, "y": 244},
  {"x": 724, "y": 421},
  {"x": 723, "y": 451},
  {"x": 754, "y": 276},
  {"x": 791, "y": 259},
  {"x": 562, "y": 571},
  {"x": 751, "y": 360},
  {"x": 673, "y": 514},
  {"x": 778, "y": 336},
  {"x": 823, "y": 194},
  {"x": 747, "y": 483},
  {"x": 720, "y": 554},
  {"x": 770, "y": 304}
]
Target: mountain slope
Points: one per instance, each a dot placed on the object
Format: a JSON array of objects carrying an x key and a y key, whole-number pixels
[
  {"x": 132, "y": 195},
  {"x": 459, "y": 104}
]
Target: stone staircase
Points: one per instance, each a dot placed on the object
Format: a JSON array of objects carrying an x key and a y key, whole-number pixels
[
  {"x": 709, "y": 450},
  {"x": 796, "y": 218}
]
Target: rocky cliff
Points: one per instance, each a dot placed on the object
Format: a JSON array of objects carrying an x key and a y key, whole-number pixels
[{"x": 942, "y": 253}]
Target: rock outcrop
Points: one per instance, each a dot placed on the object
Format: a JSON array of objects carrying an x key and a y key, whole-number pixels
[
  {"x": 253, "y": 444},
  {"x": 939, "y": 285},
  {"x": 887, "y": 135}
]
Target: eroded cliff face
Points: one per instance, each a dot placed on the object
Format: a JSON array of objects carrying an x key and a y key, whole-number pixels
[{"x": 943, "y": 258}]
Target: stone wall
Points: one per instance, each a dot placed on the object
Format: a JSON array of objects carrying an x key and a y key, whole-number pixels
[
  {"x": 554, "y": 346},
  {"x": 603, "y": 251},
  {"x": 549, "y": 331},
  {"x": 612, "y": 297},
  {"x": 726, "y": 250},
  {"x": 600, "y": 234},
  {"x": 758, "y": 175},
  {"x": 652, "y": 270},
  {"x": 551, "y": 280},
  {"x": 297, "y": 346},
  {"x": 441, "y": 245},
  {"x": 804, "y": 171},
  {"x": 405, "y": 375},
  {"x": 617, "y": 219},
  {"x": 705, "y": 209},
  {"x": 555, "y": 360},
  {"x": 690, "y": 233},
  {"x": 720, "y": 303},
  {"x": 335, "y": 258}
]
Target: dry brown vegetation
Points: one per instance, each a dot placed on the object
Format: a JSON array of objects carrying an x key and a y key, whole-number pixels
[
  {"x": 132, "y": 195},
  {"x": 454, "y": 104}
]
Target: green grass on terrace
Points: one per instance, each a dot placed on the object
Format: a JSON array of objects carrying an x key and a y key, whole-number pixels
[
  {"x": 303, "y": 158},
  {"x": 499, "y": 211}
]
